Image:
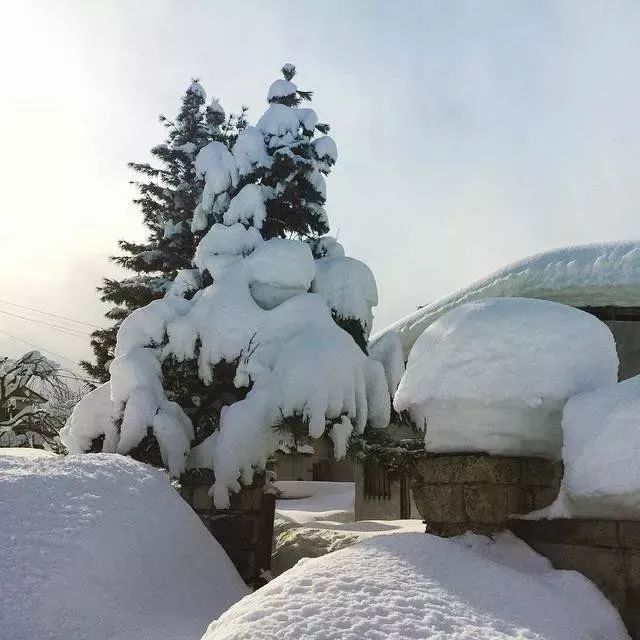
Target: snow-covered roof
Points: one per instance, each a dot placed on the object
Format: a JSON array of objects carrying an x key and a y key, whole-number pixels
[{"x": 595, "y": 275}]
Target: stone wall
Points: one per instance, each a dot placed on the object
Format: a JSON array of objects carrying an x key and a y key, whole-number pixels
[
  {"x": 627, "y": 337},
  {"x": 606, "y": 551},
  {"x": 245, "y": 530},
  {"x": 455, "y": 493}
]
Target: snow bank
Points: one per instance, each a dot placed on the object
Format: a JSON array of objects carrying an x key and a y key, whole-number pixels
[
  {"x": 316, "y": 518},
  {"x": 420, "y": 587},
  {"x": 601, "y": 454},
  {"x": 596, "y": 275},
  {"x": 102, "y": 547},
  {"x": 26, "y": 452},
  {"x": 493, "y": 375},
  {"x": 305, "y": 501}
]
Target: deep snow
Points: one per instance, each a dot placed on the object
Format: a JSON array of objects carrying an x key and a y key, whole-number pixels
[
  {"x": 420, "y": 587},
  {"x": 601, "y": 455},
  {"x": 493, "y": 375},
  {"x": 101, "y": 547}
]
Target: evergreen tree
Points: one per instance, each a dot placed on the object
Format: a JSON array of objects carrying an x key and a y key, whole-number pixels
[
  {"x": 201, "y": 378},
  {"x": 168, "y": 191}
]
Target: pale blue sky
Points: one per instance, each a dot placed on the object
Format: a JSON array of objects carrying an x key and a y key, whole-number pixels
[{"x": 470, "y": 134}]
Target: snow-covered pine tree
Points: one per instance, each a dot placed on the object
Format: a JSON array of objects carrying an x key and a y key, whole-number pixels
[
  {"x": 168, "y": 192},
  {"x": 208, "y": 376}
]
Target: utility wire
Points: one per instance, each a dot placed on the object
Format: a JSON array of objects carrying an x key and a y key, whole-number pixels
[
  {"x": 69, "y": 330},
  {"x": 47, "y": 313},
  {"x": 31, "y": 344}
]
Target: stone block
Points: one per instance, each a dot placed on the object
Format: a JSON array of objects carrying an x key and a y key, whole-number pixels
[
  {"x": 439, "y": 469},
  {"x": 593, "y": 533},
  {"x": 604, "y": 567},
  {"x": 537, "y": 472},
  {"x": 631, "y": 613},
  {"x": 519, "y": 499},
  {"x": 543, "y": 496},
  {"x": 629, "y": 534},
  {"x": 485, "y": 503},
  {"x": 440, "y": 503},
  {"x": 490, "y": 469}
]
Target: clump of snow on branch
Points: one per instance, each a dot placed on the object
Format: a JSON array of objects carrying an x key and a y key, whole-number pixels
[
  {"x": 348, "y": 287},
  {"x": 92, "y": 417},
  {"x": 493, "y": 375},
  {"x": 388, "y": 351}
]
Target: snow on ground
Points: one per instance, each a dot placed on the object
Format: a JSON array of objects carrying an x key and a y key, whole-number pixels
[
  {"x": 596, "y": 275},
  {"x": 26, "y": 452},
  {"x": 417, "y": 586},
  {"x": 102, "y": 547},
  {"x": 303, "y": 502},
  {"x": 601, "y": 454},
  {"x": 315, "y": 518},
  {"x": 493, "y": 375}
]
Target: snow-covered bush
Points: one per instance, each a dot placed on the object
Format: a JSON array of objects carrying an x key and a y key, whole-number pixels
[
  {"x": 601, "y": 454},
  {"x": 209, "y": 377},
  {"x": 493, "y": 375}
]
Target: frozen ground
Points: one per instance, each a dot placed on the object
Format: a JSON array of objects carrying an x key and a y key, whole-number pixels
[
  {"x": 417, "y": 586},
  {"x": 103, "y": 548}
]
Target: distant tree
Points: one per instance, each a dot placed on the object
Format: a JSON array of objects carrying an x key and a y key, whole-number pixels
[
  {"x": 35, "y": 401},
  {"x": 169, "y": 190}
]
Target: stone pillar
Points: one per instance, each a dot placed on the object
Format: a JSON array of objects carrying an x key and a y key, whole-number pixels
[
  {"x": 455, "y": 493},
  {"x": 245, "y": 530}
]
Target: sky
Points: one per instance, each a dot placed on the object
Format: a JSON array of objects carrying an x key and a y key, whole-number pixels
[{"x": 470, "y": 134}]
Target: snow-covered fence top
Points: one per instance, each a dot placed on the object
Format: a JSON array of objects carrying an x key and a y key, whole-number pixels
[{"x": 595, "y": 275}]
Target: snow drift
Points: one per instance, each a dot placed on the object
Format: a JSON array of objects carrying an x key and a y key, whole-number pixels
[
  {"x": 493, "y": 375},
  {"x": 102, "y": 547},
  {"x": 420, "y": 587},
  {"x": 596, "y": 275},
  {"x": 601, "y": 454}
]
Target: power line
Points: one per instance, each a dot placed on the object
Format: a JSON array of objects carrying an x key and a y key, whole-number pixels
[
  {"x": 69, "y": 330},
  {"x": 47, "y": 313},
  {"x": 31, "y": 344}
]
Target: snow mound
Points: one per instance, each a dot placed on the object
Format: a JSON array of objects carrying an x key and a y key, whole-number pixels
[
  {"x": 305, "y": 501},
  {"x": 493, "y": 375},
  {"x": 595, "y": 275},
  {"x": 102, "y": 547},
  {"x": 601, "y": 453},
  {"x": 420, "y": 587},
  {"x": 26, "y": 452}
]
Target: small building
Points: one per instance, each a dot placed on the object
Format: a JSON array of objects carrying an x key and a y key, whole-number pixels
[{"x": 306, "y": 458}]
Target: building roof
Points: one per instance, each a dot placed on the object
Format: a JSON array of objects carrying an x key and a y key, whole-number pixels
[{"x": 595, "y": 275}]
